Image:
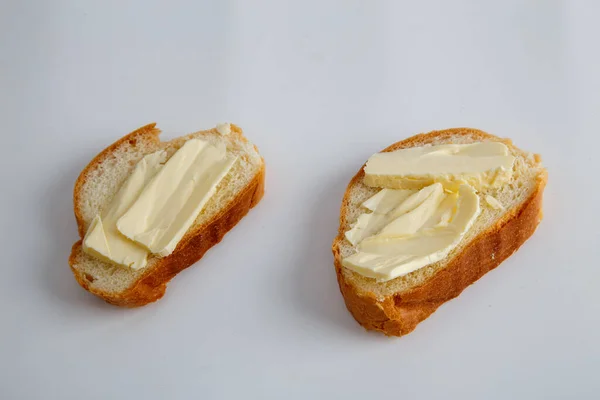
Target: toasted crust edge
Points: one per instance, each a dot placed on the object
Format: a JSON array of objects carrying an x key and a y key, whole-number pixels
[
  {"x": 399, "y": 314},
  {"x": 152, "y": 285}
]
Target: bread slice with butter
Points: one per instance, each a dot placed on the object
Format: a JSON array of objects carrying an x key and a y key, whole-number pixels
[
  {"x": 415, "y": 232},
  {"x": 147, "y": 209}
]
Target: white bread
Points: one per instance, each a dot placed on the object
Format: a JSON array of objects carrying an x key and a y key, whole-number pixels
[
  {"x": 396, "y": 306},
  {"x": 239, "y": 191}
]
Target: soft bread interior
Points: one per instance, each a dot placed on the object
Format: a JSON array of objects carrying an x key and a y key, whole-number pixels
[
  {"x": 100, "y": 182},
  {"x": 527, "y": 171}
]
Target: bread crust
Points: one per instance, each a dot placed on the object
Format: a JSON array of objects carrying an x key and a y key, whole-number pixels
[
  {"x": 400, "y": 313},
  {"x": 152, "y": 285}
]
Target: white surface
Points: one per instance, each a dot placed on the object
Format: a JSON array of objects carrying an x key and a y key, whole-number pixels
[{"x": 318, "y": 86}]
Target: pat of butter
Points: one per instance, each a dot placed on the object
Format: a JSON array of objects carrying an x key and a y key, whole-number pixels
[
  {"x": 365, "y": 226},
  {"x": 493, "y": 202},
  {"x": 386, "y": 200},
  {"x": 224, "y": 129},
  {"x": 479, "y": 164},
  {"x": 380, "y": 204},
  {"x": 170, "y": 203},
  {"x": 429, "y": 227},
  {"x": 415, "y": 211},
  {"x": 102, "y": 239}
]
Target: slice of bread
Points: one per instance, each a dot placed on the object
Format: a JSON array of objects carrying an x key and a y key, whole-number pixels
[
  {"x": 241, "y": 189},
  {"x": 395, "y": 307}
]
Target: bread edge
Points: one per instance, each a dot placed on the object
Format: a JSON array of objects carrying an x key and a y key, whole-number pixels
[
  {"x": 400, "y": 313},
  {"x": 152, "y": 285}
]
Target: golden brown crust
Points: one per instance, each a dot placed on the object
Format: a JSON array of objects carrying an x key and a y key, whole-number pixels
[
  {"x": 400, "y": 313},
  {"x": 152, "y": 284}
]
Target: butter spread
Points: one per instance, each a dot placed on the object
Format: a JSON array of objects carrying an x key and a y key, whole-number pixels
[
  {"x": 480, "y": 165},
  {"x": 224, "y": 129},
  {"x": 494, "y": 202},
  {"x": 102, "y": 239},
  {"x": 386, "y": 200},
  {"x": 415, "y": 211},
  {"x": 380, "y": 205},
  {"x": 422, "y": 229},
  {"x": 171, "y": 201}
]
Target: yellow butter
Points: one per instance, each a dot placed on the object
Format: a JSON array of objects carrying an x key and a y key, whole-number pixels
[
  {"x": 380, "y": 204},
  {"x": 480, "y": 165},
  {"x": 494, "y": 202},
  {"x": 431, "y": 223},
  {"x": 170, "y": 203},
  {"x": 365, "y": 226},
  {"x": 386, "y": 200},
  {"x": 102, "y": 239},
  {"x": 224, "y": 129},
  {"x": 415, "y": 211}
]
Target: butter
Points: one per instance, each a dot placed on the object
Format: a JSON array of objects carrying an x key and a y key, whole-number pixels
[
  {"x": 102, "y": 239},
  {"x": 386, "y": 200},
  {"x": 170, "y": 203},
  {"x": 380, "y": 204},
  {"x": 493, "y": 202},
  {"x": 421, "y": 230},
  {"x": 224, "y": 129},
  {"x": 480, "y": 165},
  {"x": 365, "y": 225},
  {"x": 415, "y": 211}
]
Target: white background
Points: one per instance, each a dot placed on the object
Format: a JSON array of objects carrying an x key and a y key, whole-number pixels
[{"x": 318, "y": 86}]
